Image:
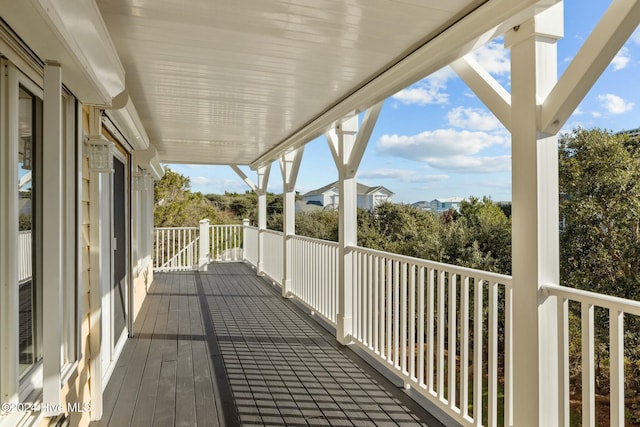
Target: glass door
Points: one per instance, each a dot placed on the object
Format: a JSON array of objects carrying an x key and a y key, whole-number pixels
[
  {"x": 29, "y": 224},
  {"x": 119, "y": 290}
]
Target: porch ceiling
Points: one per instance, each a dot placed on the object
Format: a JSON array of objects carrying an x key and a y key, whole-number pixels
[{"x": 238, "y": 82}]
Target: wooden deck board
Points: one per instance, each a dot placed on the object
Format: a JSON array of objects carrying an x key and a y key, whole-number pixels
[
  {"x": 146, "y": 401},
  {"x": 222, "y": 348}
]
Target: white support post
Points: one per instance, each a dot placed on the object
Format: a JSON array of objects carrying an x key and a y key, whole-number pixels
[
  {"x": 347, "y": 147},
  {"x": 289, "y": 166},
  {"x": 205, "y": 253},
  {"x": 52, "y": 238},
  {"x": 261, "y": 190},
  {"x": 244, "y": 177},
  {"x": 245, "y": 224},
  {"x": 535, "y": 220},
  {"x": 488, "y": 89}
]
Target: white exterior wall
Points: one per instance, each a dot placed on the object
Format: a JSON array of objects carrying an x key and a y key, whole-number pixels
[{"x": 365, "y": 201}]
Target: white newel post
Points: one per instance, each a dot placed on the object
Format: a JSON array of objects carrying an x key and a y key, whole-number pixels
[
  {"x": 347, "y": 142},
  {"x": 289, "y": 166},
  {"x": 245, "y": 224},
  {"x": 535, "y": 220},
  {"x": 204, "y": 251},
  {"x": 261, "y": 190}
]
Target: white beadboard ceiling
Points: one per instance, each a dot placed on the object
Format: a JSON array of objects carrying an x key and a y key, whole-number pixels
[{"x": 240, "y": 81}]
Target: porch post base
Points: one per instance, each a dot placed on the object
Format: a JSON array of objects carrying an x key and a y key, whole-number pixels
[
  {"x": 343, "y": 330},
  {"x": 286, "y": 286}
]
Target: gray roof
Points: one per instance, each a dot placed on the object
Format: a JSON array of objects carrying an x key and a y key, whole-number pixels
[{"x": 362, "y": 189}]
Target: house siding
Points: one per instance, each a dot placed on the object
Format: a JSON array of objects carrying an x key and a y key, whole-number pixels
[{"x": 76, "y": 389}]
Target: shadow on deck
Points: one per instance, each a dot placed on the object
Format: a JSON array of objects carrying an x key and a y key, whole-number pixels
[{"x": 252, "y": 359}]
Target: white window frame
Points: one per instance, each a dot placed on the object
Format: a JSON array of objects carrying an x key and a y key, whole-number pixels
[
  {"x": 29, "y": 387},
  {"x": 70, "y": 348}
]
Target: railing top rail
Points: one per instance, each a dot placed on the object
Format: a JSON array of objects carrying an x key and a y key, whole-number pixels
[
  {"x": 463, "y": 271},
  {"x": 272, "y": 232},
  {"x": 175, "y": 228},
  {"x": 225, "y": 225},
  {"x": 23, "y": 232},
  {"x": 601, "y": 300},
  {"x": 251, "y": 227},
  {"x": 314, "y": 240}
]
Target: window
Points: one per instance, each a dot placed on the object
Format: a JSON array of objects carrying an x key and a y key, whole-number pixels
[
  {"x": 23, "y": 245},
  {"x": 29, "y": 230}
]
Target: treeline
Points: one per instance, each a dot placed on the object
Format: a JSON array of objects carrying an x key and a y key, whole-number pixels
[
  {"x": 177, "y": 206},
  {"x": 478, "y": 236}
]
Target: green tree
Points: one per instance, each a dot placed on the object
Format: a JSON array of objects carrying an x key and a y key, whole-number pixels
[
  {"x": 176, "y": 206},
  {"x": 599, "y": 175},
  {"x": 600, "y": 208},
  {"x": 318, "y": 224},
  {"x": 487, "y": 236}
]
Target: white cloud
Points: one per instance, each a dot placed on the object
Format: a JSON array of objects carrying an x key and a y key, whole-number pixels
[
  {"x": 403, "y": 175},
  {"x": 614, "y": 104},
  {"x": 200, "y": 180},
  {"x": 472, "y": 118},
  {"x": 621, "y": 60},
  {"x": 443, "y": 149},
  {"x": 428, "y": 90},
  {"x": 441, "y": 143},
  {"x": 468, "y": 164},
  {"x": 421, "y": 95},
  {"x": 596, "y": 114},
  {"x": 494, "y": 58},
  {"x": 400, "y": 174}
]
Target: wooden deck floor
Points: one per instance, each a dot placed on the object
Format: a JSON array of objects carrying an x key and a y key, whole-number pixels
[{"x": 253, "y": 358}]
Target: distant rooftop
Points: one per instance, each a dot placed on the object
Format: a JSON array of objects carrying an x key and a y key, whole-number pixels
[{"x": 362, "y": 189}]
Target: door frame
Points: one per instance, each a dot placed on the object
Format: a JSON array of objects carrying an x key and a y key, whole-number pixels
[{"x": 114, "y": 341}]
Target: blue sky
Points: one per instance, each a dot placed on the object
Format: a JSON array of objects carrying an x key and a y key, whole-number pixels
[{"x": 435, "y": 139}]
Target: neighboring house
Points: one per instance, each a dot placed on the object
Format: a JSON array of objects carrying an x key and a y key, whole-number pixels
[
  {"x": 328, "y": 196},
  {"x": 443, "y": 205},
  {"x": 423, "y": 205},
  {"x": 633, "y": 133}
]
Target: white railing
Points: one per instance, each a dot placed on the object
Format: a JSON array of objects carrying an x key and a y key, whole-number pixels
[
  {"x": 437, "y": 325},
  {"x": 176, "y": 248},
  {"x": 250, "y": 245},
  {"x": 446, "y": 330},
  {"x": 273, "y": 249},
  {"x": 616, "y": 309},
  {"x": 25, "y": 257},
  {"x": 226, "y": 242},
  {"x": 314, "y": 278}
]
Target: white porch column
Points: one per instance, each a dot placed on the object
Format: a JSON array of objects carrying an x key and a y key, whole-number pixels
[
  {"x": 535, "y": 220},
  {"x": 245, "y": 224},
  {"x": 347, "y": 226},
  {"x": 261, "y": 190},
  {"x": 52, "y": 238},
  {"x": 347, "y": 150},
  {"x": 289, "y": 166},
  {"x": 205, "y": 253}
]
